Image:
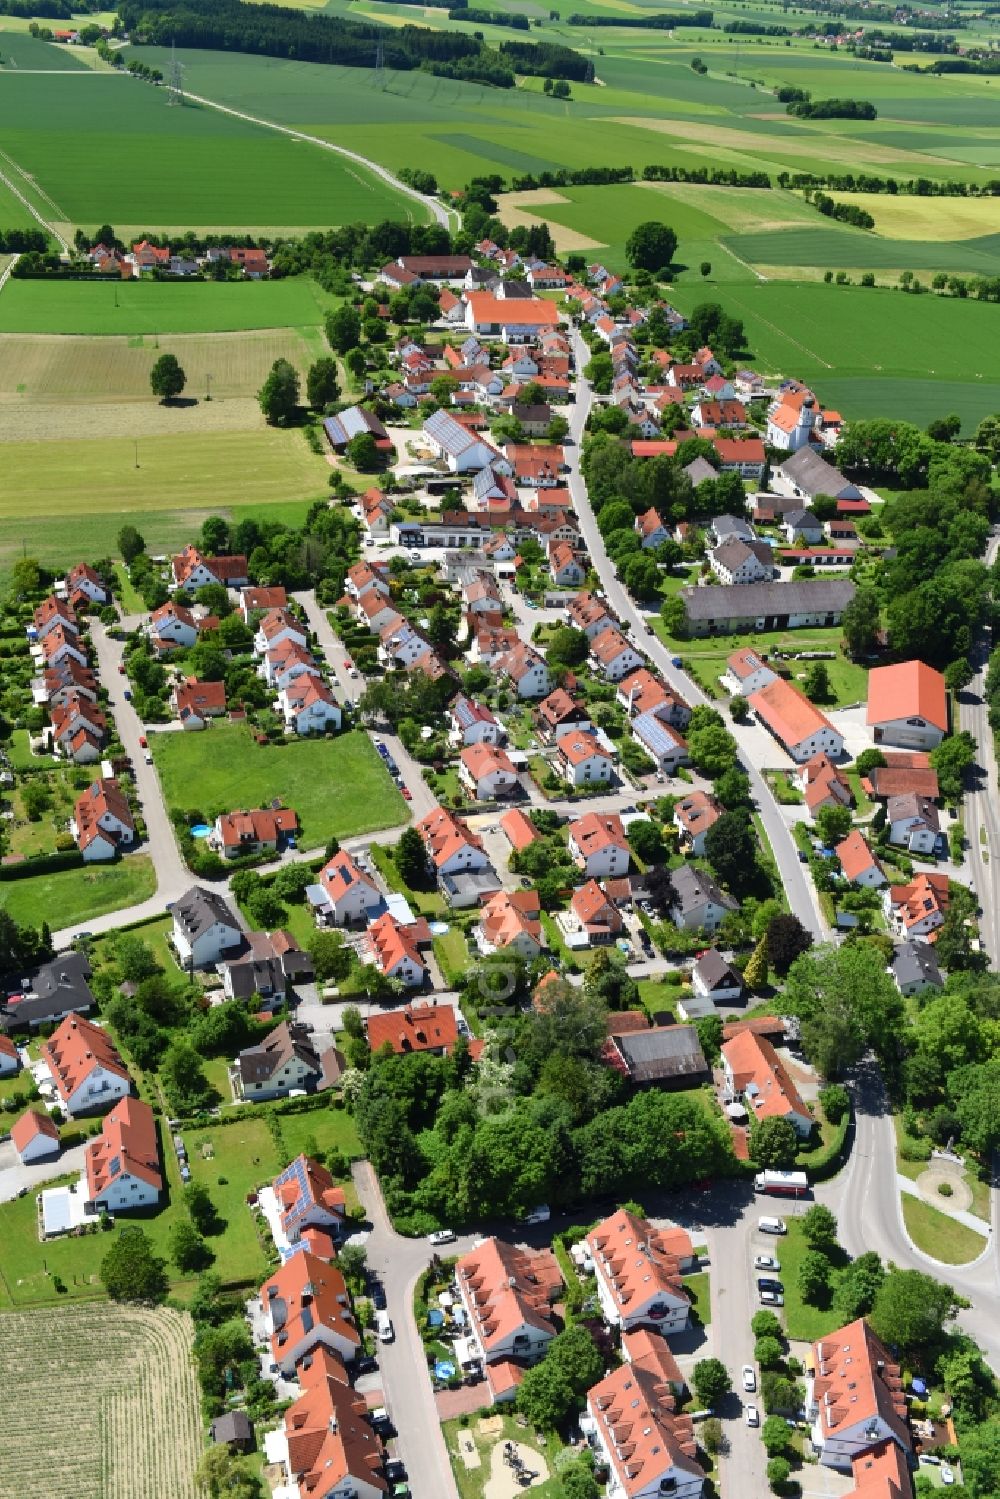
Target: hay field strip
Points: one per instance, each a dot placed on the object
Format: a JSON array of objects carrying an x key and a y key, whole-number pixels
[{"x": 106, "y": 1407}]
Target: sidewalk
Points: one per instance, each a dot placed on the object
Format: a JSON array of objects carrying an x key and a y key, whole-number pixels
[{"x": 968, "y": 1220}]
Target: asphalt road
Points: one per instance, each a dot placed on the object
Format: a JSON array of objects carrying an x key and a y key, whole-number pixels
[
  {"x": 982, "y": 799},
  {"x": 798, "y": 887}
]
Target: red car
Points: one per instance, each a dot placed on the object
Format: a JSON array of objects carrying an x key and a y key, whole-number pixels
[
  {"x": 121, "y": 668},
  {"x": 142, "y": 741},
  {"x": 407, "y": 794}
]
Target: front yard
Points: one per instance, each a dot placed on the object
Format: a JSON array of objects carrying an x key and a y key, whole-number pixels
[
  {"x": 708, "y": 655},
  {"x": 339, "y": 787}
]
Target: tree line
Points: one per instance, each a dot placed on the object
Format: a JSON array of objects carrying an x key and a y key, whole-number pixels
[
  {"x": 661, "y": 21},
  {"x": 919, "y": 187}
]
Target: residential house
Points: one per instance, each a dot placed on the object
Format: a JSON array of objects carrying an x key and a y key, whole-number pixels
[
  {"x": 376, "y": 612},
  {"x": 823, "y": 784},
  {"x": 362, "y": 578},
  {"x": 10, "y": 1061},
  {"x": 612, "y": 656},
  {"x": 462, "y": 450},
  {"x": 913, "y": 823},
  {"x": 472, "y": 723},
  {"x": 795, "y": 605},
  {"x": 310, "y": 1204},
  {"x": 588, "y": 614},
  {"x": 581, "y": 760},
  {"x": 254, "y": 601},
  {"x": 426, "y": 1027},
  {"x": 526, "y": 670},
  {"x": 278, "y": 626},
  {"x": 452, "y": 847},
  {"x": 907, "y": 705},
  {"x": 172, "y": 627},
  {"x": 736, "y": 562},
  {"x": 326, "y": 1447},
  {"x": 58, "y": 988},
  {"x": 349, "y": 893},
  {"x": 755, "y": 1073},
  {"x": 715, "y": 980},
  {"x": 192, "y": 570},
  {"x": 747, "y": 672},
  {"x": 268, "y": 971},
  {"x": 196, "y": 702},
  {"x": 204, "y": 929},
  {"x": 919, "y": 908},
  {"x": 904, "y": 773},
  {"x": 644, "y": 692},
  {"x": 237, "y": 834},
  {"x": 719, "y": 413},
  {"x": 354, "y": 422},
  {"x": 598, "y": 917},
  {"x": 660, "y": 1056},
  {"x": 285, "y": 1061},
  {"x": 651, "y": 529},
  {"x": 61, "y": 644},
  {"x": 394, "y": 951},
  {"x": 883, "y": 1472},
  {"x": 510, "y": 922},
  {"x": 648, "y": 1350},
  {"x": 102, "y": 821},
  {"x": 598, "y": 845},
  {"x": 35, "y": 1137},
  {"x": 308, "y": 705},
  {"x": 519, "y": 830},
  {"x": 638, "y": 1273},
  {"x": 741, "y": 455},
  {"x": 486, "y": 772},
  {"x": 122, "y": 1163},
  {"x": 854, "y": 1396},
  {"x": 730, "y": 528},
  {"x": 806, "y": 476},
  {"x": 84, "y": 582},
  {"x": 234, "y": 1430},
  {"x": 664, "y": 744},
  {"x": 802, "y": 526},
  {"x": 78, "y": 729},
  {"x": 565, "y": 570},
  {"x": 694, "y": 814},
  {"x": 697, "y": 902},
  {"x": 507, "y": 1292},
  {"x": 857, "y": 862},
  {"x": 647, "y": 1448},
  {"x": 533, "y": 420},
  {"x": 536, "y": 465},
  {"x": 796, "y": 723},
  {"x": 558, "y": 715},
  {"x": 88, "y": 1073},
  {"x": 915, "y": 969},
  {"x": 53, "y": 612},
  {"x": 307, "y": 1308}
]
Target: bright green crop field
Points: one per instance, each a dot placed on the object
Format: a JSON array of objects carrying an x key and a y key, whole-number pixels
[{"x": 137, "y": 307}]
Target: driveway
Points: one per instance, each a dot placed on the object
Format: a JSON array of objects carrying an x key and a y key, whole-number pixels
[{"x": 14, "y": 1177}]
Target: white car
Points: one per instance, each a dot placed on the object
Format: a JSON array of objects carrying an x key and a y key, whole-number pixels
[
  {"x": 751, "y": 1415},
  {"x": 766, "y": 1262},
  {"x": 442, "y": 1236},
  {"x": 749, "y": 1379},
  {"x": 947, "y": 1476}
]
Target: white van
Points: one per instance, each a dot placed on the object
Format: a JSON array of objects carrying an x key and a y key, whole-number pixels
[
  {"x": 384, "y": 1328},
  {"x": 771, "y": 1225}
]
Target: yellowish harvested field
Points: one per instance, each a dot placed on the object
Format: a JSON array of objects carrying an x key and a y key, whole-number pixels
[
  {"x": 928, "y": 218},
  {"x": 516, "y": 213},
  {"x": 852, "y": 151},
  {"x": 106, "y": 1407},
  {"x": 49, "y": 366},
  {"x": 23, "y": 420}
]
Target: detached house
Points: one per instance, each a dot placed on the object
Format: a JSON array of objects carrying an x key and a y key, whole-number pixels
[
  {"x": 172, "y": 627},
  {"x": 236, "y": 834},
  {"x": 697, "y": 902},
  {"x": 286, "y": 1060},
  {"x": 736, "y": 562},
  {"x": 310, "y": 1204},
  {"x": 558, "y": 715},
  {"x": 452, "y": 847},
  {"x": 638, "y": 1273},
  {"x": 307, "y": 1309},
  {"x": 205, "y": 928},
  {"x": 526, "y": 670},
  {"x": 308, "y": 706},
  {"x": 122, "y": 1164},
  {"x": 192, "y": 570},
  {"x": 102, "y": 822},
  {"x": 472, "y": 723},
  {"x": 486, "y": 772},
  {"x": 581, "y": 760},
  {"x": 599, "y": 918},
  {"x": 715, "y": 980},
  {"x": 652, "y": 531},
  {"x": 348, "y": 893},
  {"x": 755, "y": 1073},
  {"x": 85, "y": 582},
  {"x": 325, "y": 1447},
  {"x": 588, "y": 614},
  {"x": 653, "y": 732},
  {"x": 394, "y": 951},
  {"x": 511, "y": 922},
  {"x": 693, "y": 816},
  {"x": 915, "y": 969},
  {"x": 565, "y": 570},
  {"x": 598, "y": 845},
  {"x": 612, "y": 656},
  {"x": 426, "y": 1027},
  {"x": 919, "y": 908},
  {"x": 35, "y": 1137},
  {"x": 196, "y": 702},
  {"x": 857, "y": 862},
  {"x": 913, "y": 823},
  {"x": 85, "y": 1065},
  {"x": 823, "y": 784}
]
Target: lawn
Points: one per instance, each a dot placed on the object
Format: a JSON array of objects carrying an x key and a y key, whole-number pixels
[
  {"x": 428, "y": 903},
  {"x": 231, "y": 1160},
  {"x": 74, "y": 895},
  {"x": 104, "y": 144},
  {"x": 339, "y": 787},
  {"x": 657, "y": 996},
  {"x": 452, "y": 953},
  {"x": 801, "y": 1320},
  {"x": 939, "y": 1235},
  {"x": 698, "y": 1287},
  {"x": 708, "y": 657},
  {"x": 134, "y": 307}
]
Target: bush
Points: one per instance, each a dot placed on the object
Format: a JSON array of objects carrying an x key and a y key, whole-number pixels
[
  {"x": 835, "y": 1101},
  {"x": 945, "y": 1189},
  {"x": 778, "y": 1470}
]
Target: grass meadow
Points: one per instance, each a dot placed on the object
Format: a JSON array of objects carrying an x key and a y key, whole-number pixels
[
  {"x": 339, "y": 787},
  {"x": 70, "y": 896},
  {"x": 135, "y": 308}
]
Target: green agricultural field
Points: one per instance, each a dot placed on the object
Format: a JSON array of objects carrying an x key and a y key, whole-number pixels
[
  {"x": 145, "y": 307},
  {"x": 19, "y": 50},
  {"x": 339, "y": 787},
  {"x": 103, "y": 146},
  {"x": 74, "y": 895}
]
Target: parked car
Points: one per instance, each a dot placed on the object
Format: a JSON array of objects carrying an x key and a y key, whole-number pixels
[
  {"x": 377, "y": 1291},
  {"x": 384, "y": 1328},
  {"x": 121, "y": 668},
  {"x": 771, "y": 1225},
  {"x": 149, "y": 758},
  {"x": 803, "y": 857},
  {"x": 749, "y": 1378},
  {"x": 771, "y": 1298},
  {"x": 540, "y": 1214},
  {"x": 128, "y": 696},
  {"x": 766, "y": 1262},
  {"x": 765, "y": 1283},
  {"x": 442, "y": 1236},
  {"x": 947, "y": 1475},
  {"x": 407, "y": 793},
  {"x": 394, "y": 1469},
  {"x": 751, "y": 1415},
  {"x": 142, "y": 741}
]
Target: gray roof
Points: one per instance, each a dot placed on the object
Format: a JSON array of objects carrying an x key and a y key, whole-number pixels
[
  {"x": 715, "y": 972},
  {"x": 800, "y": 517},
  {"x": 480, "y": 882},
  {"x": 258, "y": 1063},
  {"x": 658, "y": 735},
  {"x": 816, "y": 596},
  {"x": 198, "y": 910},
  {"x": 538, "y": 413},
  {"x": 234, "y": 1426},
  {"x": 734, "y": 551},
  {"x": 452, "y": 436},
  {"x": 692, "y": 887},
  {"x": 352, "y": 422},
  {"x": 662, "y": 1053},
  {"x": 732, "y": 525},
  {"x": 699, "y": 469},
  {"x": 510, "y": 288},
  {"x": 811, "y": 473},
  {"x": 910, "y": 804},
  {"x": 56, "y": 987},
  {"x": 913, "y": 962}
]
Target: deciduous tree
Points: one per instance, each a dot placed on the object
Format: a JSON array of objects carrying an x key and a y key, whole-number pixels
[
  {"x": 166, "y": 378},
  {"x": 279, "y": 395}
]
